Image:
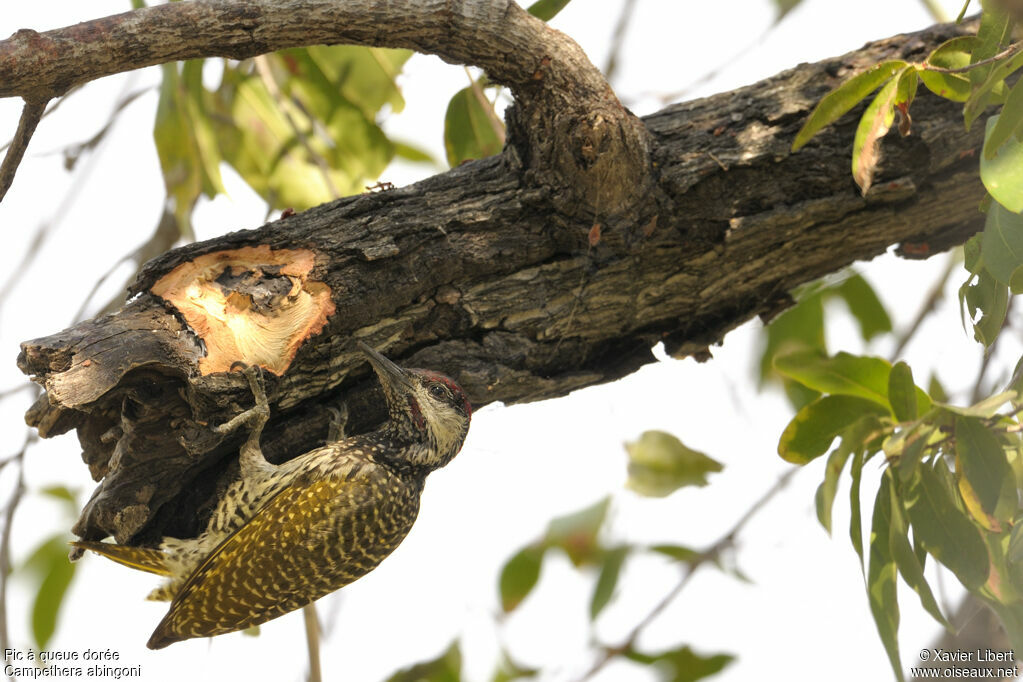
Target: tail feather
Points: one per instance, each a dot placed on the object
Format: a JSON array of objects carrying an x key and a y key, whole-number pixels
[{"x": 139, "y": 558}]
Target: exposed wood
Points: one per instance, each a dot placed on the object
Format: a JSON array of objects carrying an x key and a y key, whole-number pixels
[{"x": 484, "y": 274}]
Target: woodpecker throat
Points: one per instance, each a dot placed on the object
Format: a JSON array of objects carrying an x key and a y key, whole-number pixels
[{"x": 284, "y": 536}]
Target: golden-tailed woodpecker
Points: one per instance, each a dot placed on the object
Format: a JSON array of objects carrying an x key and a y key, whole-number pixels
[{"x": 283, "y": 536}]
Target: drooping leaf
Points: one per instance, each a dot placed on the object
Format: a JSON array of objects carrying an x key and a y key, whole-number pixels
[
  {"x": 801, "y": 327},
  {"x": 683, "y": 664},
  {"x": 843, "y": 374},
  {"x": 843, "y": 98},
  {"x": 855, "y": 521},
  {"x": 576, "y": 533},
  {"x": 881, "y": 587},
  {"x": 520, "y": 575},
  {"x": 607, "y": 579},
  {"x": 944, "y": 530},
  {"x": 469, "y": 129},
  {"x": 825, "y": 497},
  {"x": 906, "y": 559},
  {"x": 865, "y": 307},
  {"x": 981, "y": 459},
  {"x": 1001, "y": 164},
  {"x": 445, "y": 668},
  {"x": 987, "y": 301},
  {"x": 985, "y": 408},
  {"x": 907, "y": 401},
  {"x": 874, "y": 125},
  {"x": 811, "y": 431},
  {"x": 185, "y": 142},
  {"x": 51, "y": 572},
  {"x": 545, "y": 10},
  {"x": 660, "y": 464}
]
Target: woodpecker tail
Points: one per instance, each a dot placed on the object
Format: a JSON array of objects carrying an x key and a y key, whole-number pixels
[{"x": 139, "y": 558}]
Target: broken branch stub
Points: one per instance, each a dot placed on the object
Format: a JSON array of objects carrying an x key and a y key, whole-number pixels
[{"x": 253, "y": 305}]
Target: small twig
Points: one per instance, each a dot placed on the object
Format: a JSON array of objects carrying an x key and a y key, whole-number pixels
[
  {"x": 488, "y": 106},
  {"x": 5, "y": 539},
  {"x": 30, "y": 116},
  {"x": 710, "y": 554},
  {"x": 49, "y": 110},
  {"x": 267, "y": 76},
  {"x": 312, "y": 637},
  {"x": 934, "y": 295},
  {"x": 1007, "y": 52},
  {"x": 618, "y": 38}
]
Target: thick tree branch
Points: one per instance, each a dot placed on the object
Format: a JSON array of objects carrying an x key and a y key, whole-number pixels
[
  {"x": 560, "y": 95},
  {"x": 484, "y": 273}
]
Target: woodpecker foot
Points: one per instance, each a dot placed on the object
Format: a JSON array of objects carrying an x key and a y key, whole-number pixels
[
  {"x": 338, "y": 421},
  {"x": 253, "y": 462},
  {"x": 258, "y": 413}
]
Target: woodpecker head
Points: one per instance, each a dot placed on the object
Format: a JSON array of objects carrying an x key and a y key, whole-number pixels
[{"x": 425, "y": 407}]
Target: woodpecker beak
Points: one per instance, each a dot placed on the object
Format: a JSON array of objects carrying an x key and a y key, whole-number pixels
[{"x": 390, "y": 374}]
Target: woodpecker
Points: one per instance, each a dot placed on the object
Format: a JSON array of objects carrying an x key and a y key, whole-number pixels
[{"x": 284, "y": 536}]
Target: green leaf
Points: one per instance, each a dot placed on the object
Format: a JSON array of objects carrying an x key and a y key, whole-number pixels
[
  {"x": 936, "y": 391},
  {"x": 825, "y": 497},
  {"x": 944, "y": 530},
  {"x": 844, "y": 374},
  {"x": 987, "y": 301},
  {"x": 912, "y": 453},
  {"x": 676, "y": 552},
  {"x": 185, "y": 142},
  {"x": 1016, "y": 281},
  {"x": 469, "y": 129},
  {"x": 683, "y": 664},
  {"x": 413, "y": 153},
  {"x": 546, "y": 10},
  {"x": 881, "y": 587},
  {"x": 520, "y": 575},
  {"x": 951, "y": 86},
  {"x": 993, "y": 36},
  {"x": 855, "y": 522},
  {"x": 874, "y": 124},
  {"x": 986, "y": 408},
  {"x": 660, "y": 464},
  {"x": 610, "y": 569},
  {"x": 907, "y": 561},
  {"x": 843, "y": 98},
  {"x": 811, "y": 431},
  {"x": 52, "y": 573},
  {"x": 1015, "y": 553},
  {"x": 982, "y": 457},
  {"x": 1002, "y": 242},
  {"x": 1001, "y": 165},
  {"x": 902, "y": 392},
  {"x": 576, "y": 533},
  {"x": 801, "y": 327},
  {"x": 445, "y": 668},
  {"x": 865, "y": 306},
  {"x": 952, "y": 54},
  {"x": 962, "y": 12}
]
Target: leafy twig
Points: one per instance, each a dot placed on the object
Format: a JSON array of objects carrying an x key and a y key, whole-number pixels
[
  {"x": 30, "y": 115},
  {"x": 708, "y": 555},
  {"x": 1007, "y": 52},
  {"x": 267, "y": 76}
]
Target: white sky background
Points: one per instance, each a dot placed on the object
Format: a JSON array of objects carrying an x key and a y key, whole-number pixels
[{"x": 805, "y": 616}]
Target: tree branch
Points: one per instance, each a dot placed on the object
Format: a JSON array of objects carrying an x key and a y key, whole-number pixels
[
  {"x": 488, "y": 274},
  {"x": 561, "y": 97},
  {"x": 30, "y": 115}
]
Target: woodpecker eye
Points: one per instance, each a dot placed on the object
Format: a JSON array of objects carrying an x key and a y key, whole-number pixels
[{"x": 438, "y": 391}]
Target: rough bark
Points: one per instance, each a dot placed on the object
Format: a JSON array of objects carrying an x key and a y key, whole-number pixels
[{"x": 488, "y": 274}]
